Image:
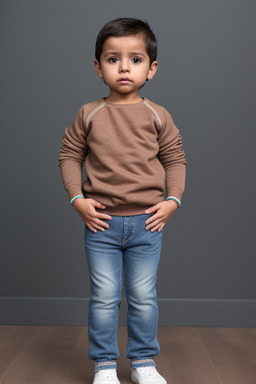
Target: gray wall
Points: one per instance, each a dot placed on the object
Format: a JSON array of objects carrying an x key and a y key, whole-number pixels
[{"x": 206, "y": 79}]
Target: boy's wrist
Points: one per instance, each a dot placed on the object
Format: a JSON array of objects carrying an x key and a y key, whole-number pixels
[
  {"x": 173, "y": 198},
  {"x": 75, "y": 199}
]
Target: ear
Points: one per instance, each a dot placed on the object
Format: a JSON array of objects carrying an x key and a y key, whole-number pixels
[
  {"x": 98, "y": 69},
  {"x": 152, "y": 70}
]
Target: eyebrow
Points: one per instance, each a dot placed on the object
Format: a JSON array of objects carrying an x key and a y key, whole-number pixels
[{"x": 138, "y": 53}]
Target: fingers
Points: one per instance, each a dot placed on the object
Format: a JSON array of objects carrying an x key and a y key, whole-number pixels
[
  {"x": 92, "y": 218},
  {"x": 95, "y": 224},
  {"x": 93, "y": 227},
  {"x": 152, "y": 209},
  {"x": 103, "y": 216},
  {"x": 156, "y": 224},
  {"x": 98, "y": 204},
  {"x": 152, "y": 218},
  {"x": 100, "y": 224},
  {"x": 164, "y": 211},
  {"x": 161, "y": 227}
]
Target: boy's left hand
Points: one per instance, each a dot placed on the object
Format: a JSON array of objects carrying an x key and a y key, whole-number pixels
[{"x": 164, "y": 211}]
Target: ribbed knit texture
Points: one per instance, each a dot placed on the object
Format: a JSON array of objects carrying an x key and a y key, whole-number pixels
[{"x": 130, "y": 151}]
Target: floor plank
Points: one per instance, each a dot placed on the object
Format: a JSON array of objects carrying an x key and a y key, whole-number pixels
[
  {"x": 81, "y": 369},
  {"x": 59, "y": 355},
  {"x": 46, "y": 358},
  {"x": 12, "y": 340},
  {"x": 183, "y": 359},
  {"x": 233, "y": 353}
]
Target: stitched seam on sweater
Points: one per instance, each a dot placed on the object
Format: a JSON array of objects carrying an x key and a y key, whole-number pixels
[
  {"x": 154, "y": 111},
  {"x": 93, "y": 113}
]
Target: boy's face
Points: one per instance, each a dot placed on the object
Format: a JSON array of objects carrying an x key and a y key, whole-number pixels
[{"x": 125, "y": 65}]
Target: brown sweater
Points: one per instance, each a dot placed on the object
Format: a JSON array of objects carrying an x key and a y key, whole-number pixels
[{"x": 129, "y": 151}]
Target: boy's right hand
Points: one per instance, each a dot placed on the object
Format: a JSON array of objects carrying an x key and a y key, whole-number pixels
[{"x": 86, "y": 209}]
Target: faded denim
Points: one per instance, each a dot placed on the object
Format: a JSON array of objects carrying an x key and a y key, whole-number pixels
[{"x": 125, "y": 244}]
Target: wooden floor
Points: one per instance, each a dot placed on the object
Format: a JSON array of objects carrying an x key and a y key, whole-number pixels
[{"x": 58, "y": 355}]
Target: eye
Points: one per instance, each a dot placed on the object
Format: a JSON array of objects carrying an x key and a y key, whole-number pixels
[
  {"x": 136, "y": 60},
  {"x": 112, "y": 60}
]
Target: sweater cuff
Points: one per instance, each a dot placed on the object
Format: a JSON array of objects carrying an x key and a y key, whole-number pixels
[
  {"x": 174, "y": 191},
  {"x": 74, "y": 191}
]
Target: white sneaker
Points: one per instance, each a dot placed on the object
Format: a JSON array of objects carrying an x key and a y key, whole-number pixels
[
  {"x": 106, "y": 376},
  {"x": 147, "y": 375}
]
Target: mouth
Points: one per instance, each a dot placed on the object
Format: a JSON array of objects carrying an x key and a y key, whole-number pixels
[{"x": 124, "y": 80}]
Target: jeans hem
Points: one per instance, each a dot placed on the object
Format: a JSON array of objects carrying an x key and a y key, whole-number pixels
[
  {"x": 143, "y": 363},
  {"x": 105, "y": 365}
]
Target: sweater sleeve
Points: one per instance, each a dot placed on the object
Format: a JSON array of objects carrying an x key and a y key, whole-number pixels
[
  {"x": 72, "y": 156},
  {"x": 172, "y": 156}
]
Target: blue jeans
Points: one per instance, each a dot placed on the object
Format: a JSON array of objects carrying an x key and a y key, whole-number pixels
[{"x": 125, "y": 243}]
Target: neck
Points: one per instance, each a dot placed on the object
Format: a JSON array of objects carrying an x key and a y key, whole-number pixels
[{"x": 123, "y": 99}]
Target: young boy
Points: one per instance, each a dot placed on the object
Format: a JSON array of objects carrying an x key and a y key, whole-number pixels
[{"x": 130, "y": 147}]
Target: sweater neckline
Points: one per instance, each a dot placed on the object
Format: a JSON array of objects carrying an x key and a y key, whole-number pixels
[{"x": 123, "y": 105}]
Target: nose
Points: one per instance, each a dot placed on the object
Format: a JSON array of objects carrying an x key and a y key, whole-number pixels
[{"x": 124, "y": 67}]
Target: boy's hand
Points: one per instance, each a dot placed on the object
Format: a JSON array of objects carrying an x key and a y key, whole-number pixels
[
  {"x": 164, "y": 211},
  {"x": 86, "y": 209}
]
